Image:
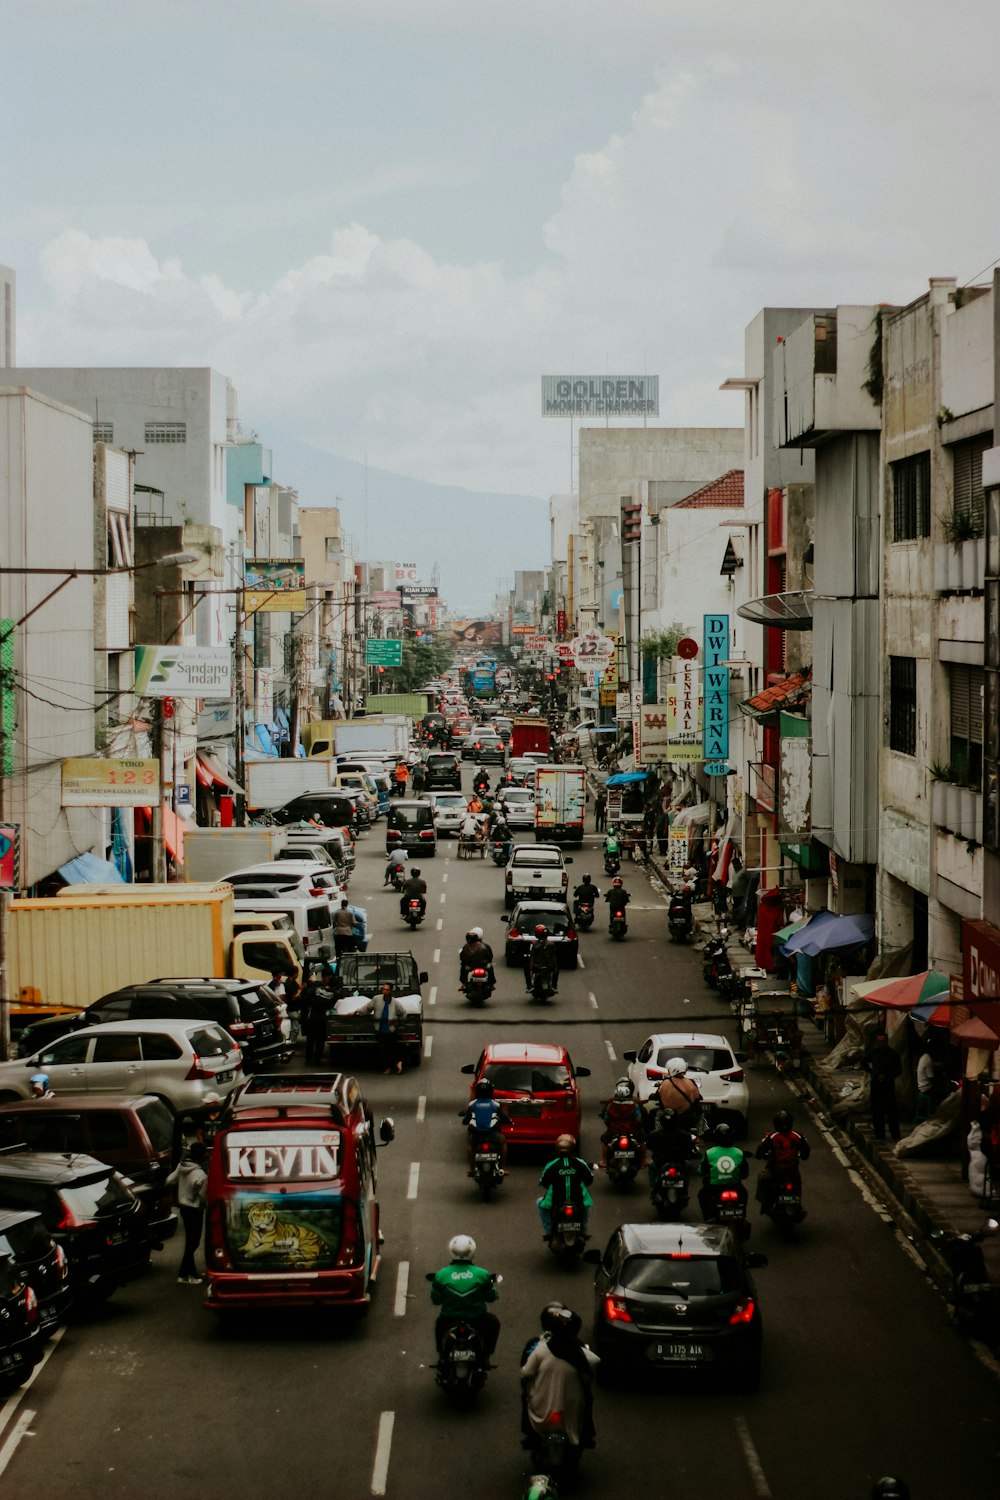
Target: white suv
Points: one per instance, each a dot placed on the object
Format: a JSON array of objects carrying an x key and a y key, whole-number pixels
[
  {"x": 536, "y": 871},
  {"x": 712, "y": 1063}
]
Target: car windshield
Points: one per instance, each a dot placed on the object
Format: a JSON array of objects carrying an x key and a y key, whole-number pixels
[
  {"x": 517, "y": 795},
  {"x": 408, "y": 817},
  {"x": 698, "y": 1059},
  {"x": 28, "y": 1240},
  {"x": 96, "y": 1196},
  {"x": 367, "y": 973},
  {"x": 550, "y": 859},
  {"x": 449, "y": 799},
  {"x": 552, "y": 921},
  {"x": 209, "y": 1041},
  {"x": 680, "y": 1276},
  {"x": 159, "y": 1124},
  {"x": 529, "y": 1078},
  {"x": 441, "y": 760},
  {"x": 283, "y": 1232}
]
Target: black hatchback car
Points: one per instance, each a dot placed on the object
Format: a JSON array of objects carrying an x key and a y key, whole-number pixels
[
  {"x": 336, "y": 809},
  {"x": 42, "y": 1263},
  {"x": 88, "y": 1209},
  {"x": 21, "y": 1342},
  {"x": 442, "y": 771},
  {"x": 677, "y": 1297}
]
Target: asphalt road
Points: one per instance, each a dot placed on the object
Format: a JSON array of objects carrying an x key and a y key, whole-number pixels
[{"x": 862, "y": 1373}]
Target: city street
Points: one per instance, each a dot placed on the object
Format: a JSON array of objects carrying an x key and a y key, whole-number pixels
[{"x": 862, "y": 1373}]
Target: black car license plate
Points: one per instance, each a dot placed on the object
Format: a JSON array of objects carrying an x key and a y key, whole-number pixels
[
  {"x": 49, "y": 1316},
  {"x": 9, "y": 1361},
  {"x": 679, "y": 1354}
]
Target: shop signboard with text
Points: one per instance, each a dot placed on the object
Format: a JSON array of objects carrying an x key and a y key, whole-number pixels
[
  {"x": 275, "y": 584},
  {"x": 96, "y": 782},
  {"x": 183, "y": 672},
  {"x": 715, "y": 731},
  {"x": 600, "y": 395}
]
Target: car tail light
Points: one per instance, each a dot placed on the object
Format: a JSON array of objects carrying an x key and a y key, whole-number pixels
[
  {"x": 570, "y": 936},
  {"x": 317, "y": 890},
  {"x": 729, "y": 1195},
  {"x": 392, "y": 836},
  {"x": 565, "y": 880},
  {"x": 745, "y": 1312},
  {"x": 30, "y": 1307},
  {"x": 736, "y": 1076},
  {"x": 62, "y": 1263},
  {"x": 348, "y": 1253},
  {"x": 240, "y": 1028},
  {"x": 197, "y": 1071},
  {"x": 655, "y": 1073},
  {"x": 426, "y": 833},
  {"x": 615, "y": 1310}
]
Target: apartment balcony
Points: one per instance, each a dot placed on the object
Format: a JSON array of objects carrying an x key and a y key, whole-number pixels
[
  {"x": 960, "y": 567},
  {"x": 820, "y": 375},
  {"x": 959, "y": 809}
]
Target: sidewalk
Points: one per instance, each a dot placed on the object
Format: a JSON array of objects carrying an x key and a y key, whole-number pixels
[{"x": 929, "y": 1189}]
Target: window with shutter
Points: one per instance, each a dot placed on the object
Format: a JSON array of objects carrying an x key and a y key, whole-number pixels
[
  {"x": 911, "y": 498},
  {"x": 968, "y": 500},
  {"x": 966, "y": 694},
  {"x": 903, "y": 704}
]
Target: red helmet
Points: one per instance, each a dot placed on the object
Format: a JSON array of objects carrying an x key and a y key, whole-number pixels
[
  {"x": 618, "y": 880},
  {"x": 541, "y": 930}
]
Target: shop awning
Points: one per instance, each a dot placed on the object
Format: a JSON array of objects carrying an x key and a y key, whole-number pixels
[
  {"x": 211, "y": 773},
  {"x": 824, "y": 932},
  {"x": 688, "y": 817},
  {"x": 90, "y": 869}
]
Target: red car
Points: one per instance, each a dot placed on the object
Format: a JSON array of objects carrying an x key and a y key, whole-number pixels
[{"x": 536, "y": 1083}]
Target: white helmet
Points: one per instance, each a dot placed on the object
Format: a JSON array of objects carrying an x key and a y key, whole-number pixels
[
  {"x": 462, "y": 1247},
  {"x": 676, "y": 1067},
  {"x": 477, "y": 932}
]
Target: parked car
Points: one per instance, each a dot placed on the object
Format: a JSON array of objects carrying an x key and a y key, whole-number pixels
[
  {"x": 301, "y": 877},
  {"x": 337, "y": 809},
  {"x": 135, "y": 1134},
  {"x": 555, "y": 917},
  {"x": 21, "y": 1342},
  {"x": 336, "y": 841},
  {"x": 712, "y": 1063},
  {"x": 536, "y": 872},
  {"x": 311, "y": 916},
  {"x": 178, "y": 1061},
  {"x": 677, "y": 1297},
  {"x": 536, "y": 1083},
  {"x": 442, "y": 770},
  {"x": 88, "y": 1209},
  {"x": 249, "y": 1012},
  {"x": 41, "y": 1263}
]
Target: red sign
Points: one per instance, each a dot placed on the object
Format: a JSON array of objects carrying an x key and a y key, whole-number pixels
[
  {"x": 565, "y": 650},
  {"x": 10, "y": 856},
  {"x": 687, "y": 647},
  {"x": 560, "y": 622}
]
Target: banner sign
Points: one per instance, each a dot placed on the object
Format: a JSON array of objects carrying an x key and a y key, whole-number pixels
[
  {"x": 524, "y": 630},
  {"x": 623, "y": 707},
  {"x": 183, "y": 672},
  {"x": 263, "y": 695},
  {"x": 275, "y": 584},
  {"x": 110, "y": 783},
  {"x": 407, "y": 573},
  {"x": 677, "y": 849},
  {"x": 418, "y": 590},
  {"x": 715, "y": 734},
  {"x": 592, "y": 649},
  {"x": 10, "y": 856},
  {"x": 387, "y": 653},
  {"x": 536, "y": 642},
  {"x": 600, "y": 395}
]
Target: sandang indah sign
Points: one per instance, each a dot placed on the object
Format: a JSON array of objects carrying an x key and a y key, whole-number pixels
[{"x": 600, "y": 395}]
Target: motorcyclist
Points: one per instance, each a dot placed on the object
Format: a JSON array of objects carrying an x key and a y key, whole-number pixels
[
  {"x": 542, "y": 961},
  {"x": 481, "y": 780},
  {"x": 617, "y": 898},
  {"x": 565, "y": 1179},
  {"x": 622, "y": 1114},
  {"x": 781, "y": 1150},
  {"x": 500, "y": 832},
  {"x": 396, "y": 859},
  {"x": 612, "y": 844},
  {"x": 679, "y": 909},
  {"x": 484, "y": 1117},
  {"x": 669, "y": 1140},
  {"x": 413, "y": 886},
  {"x": 475, "y": 954},
  {"x": 586, "y": 894},
  {"x": 557, "y": 1375},
  {"x": 724, "y": 1165},
  {"x": 681, "y": 1094},
  {"x": 462, "y": 1290},
  {"x": 40, "y": 1086}
]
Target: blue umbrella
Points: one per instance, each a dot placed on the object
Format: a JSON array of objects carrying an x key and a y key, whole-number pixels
[{"x": 825, "y": 932}]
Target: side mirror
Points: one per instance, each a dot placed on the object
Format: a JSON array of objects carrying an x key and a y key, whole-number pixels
[
  {"x": 583, "y": 1072},
  {"x": 469, "y": 1068},
  {"x": 628, "y": 1056},
  {"x": 386, "y": 1130},
  {"x": 592, "y": 1257},
  {"x": 568, "y": 859},
  {"x": 755, "y": 1260},
  {"x": 422, "y": 976}
]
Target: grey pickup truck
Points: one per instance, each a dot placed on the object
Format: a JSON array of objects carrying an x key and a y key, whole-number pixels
[{"x": 350, "y": 1020}]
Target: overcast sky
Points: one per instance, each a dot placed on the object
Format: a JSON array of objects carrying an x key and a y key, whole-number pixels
[{"x": 386, "y": 219}]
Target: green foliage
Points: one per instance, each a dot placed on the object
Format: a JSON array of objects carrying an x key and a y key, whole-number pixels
[
  {"x": 961, "y": 526},
  {"x": 875, "y": 383},
  {"x": 660, "y": 645},
  {"x": 422, "y": 660}
]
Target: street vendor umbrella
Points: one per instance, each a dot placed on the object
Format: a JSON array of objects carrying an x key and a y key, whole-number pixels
[
  {"x": 905, "y": 993},
  {"x": 826, "y": 931},
  {"x": 786, "y": 932},
  {"x": 975, "y": 1033}
]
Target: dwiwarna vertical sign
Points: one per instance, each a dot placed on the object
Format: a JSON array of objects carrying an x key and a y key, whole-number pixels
[{"x": 715, "y": 732}]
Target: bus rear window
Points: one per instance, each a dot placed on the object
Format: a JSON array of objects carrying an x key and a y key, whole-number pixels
[{"x": 283, "y": 1231}]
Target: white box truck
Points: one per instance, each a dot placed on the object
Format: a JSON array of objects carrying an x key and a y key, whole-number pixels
[
  {"x": 560, "y": 799},
  {"x": 385, "y": 734},
  {"x": 210, "y": 853},
  {"x": 272, "y": 783}
]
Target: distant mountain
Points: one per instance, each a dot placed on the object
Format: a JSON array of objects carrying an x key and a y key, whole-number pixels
[{"x": 477, "y": 538}]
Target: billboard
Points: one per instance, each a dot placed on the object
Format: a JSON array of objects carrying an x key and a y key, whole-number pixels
[
  {"x": 476, "y": 633},
  {"x": 275, "y": 584},
  {"x": 94, "y": 782},
  {"x": 10, "y": 856},
  {"x": 183, "y": 672},
  {"x": 600, "y": 395}
]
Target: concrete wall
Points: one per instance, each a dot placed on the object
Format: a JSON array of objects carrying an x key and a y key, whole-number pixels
[
  {"x": 967, "y": 356},
  {"x": 615, "y": 460},
  {"x": 8, "y": 318}
]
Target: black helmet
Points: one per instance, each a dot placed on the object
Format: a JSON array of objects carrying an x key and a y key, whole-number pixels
[
  {"x": 782, "y": 1120},
  {"x": 484, "y": 1089},
  {"x": 558, "y": 1318},
  {"x": 586, "y": 880},
  {"x": 722, "y": 1134},
  {"x": 888, "y": 1488},
  {"x": 414, "y": 872},
  {"x": 666, "y": 1115}
]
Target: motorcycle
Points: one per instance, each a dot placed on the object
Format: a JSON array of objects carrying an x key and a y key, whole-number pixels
[
  {"x": 478, "y": 988},
  {"x": 727, "y": 1205},
  {"x": 783, "y": 1205},
  {"x": 612, "y": 863},
  {"x": 543, "y": 986},
  {"x": 462, "y": 1362},
  {"x": 583, "y": 913},
  {"x": 553, "y": 1456},
  {"x": 414, "y": 913},
  {"x": 973, "y": 1297},
  {"x": 715, "y": 959},
  {"x": 679, "y": 922},
  {"x": 498, "y": 852},
  {"x": 623, "y": 1160},
  {"x": 669, "y": 1189},
  {"x": 487, "y": 1168},
  {"x": 567, "y": 1239},
  {"x": 397, "y": 877},
  {"x": 618, "y": 926}
]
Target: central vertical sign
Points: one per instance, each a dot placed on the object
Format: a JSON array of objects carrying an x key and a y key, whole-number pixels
[{"x": 715, "y": 732}]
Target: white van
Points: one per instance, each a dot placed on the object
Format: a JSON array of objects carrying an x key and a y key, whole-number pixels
[{"x": 310, "y": 916}]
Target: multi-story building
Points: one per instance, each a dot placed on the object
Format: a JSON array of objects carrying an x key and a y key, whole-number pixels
[{"x": 8, "y": 318}]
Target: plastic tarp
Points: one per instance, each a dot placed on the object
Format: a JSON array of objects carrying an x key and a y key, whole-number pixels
[
  {"x": 210, "y": 766},
  {"x": 824, "y": 932},
  {"x": 688, "y": 817},
  {"x": 625, "y": 778},
  {"x": 90, "y": 869}
]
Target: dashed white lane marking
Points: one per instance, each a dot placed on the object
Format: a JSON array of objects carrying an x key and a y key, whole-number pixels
[
  {"x": 428, "y": 1045},
  {"x": 432, "y": 998},
  {"x": 758, "y": 1478},
  {"x": 580, "y": 963},
  {"x": 440, "y": 923},
  {"x": 444, "y": 877},
  {"x": 13, "y": 1402},
  {"x": 9, "y": 1448},
  {"x": 402, "y": 1287},
  {"x": 443, "y": 897},
  {"x": 414, "y": 1180},
  {"x": 437, "y": 955},
  {"x": 421, "y": 1108},
  {"x": 383, "y": 1450},
  {"x": 593, "y": 999},
  {"x": 611, "y": 1051}
]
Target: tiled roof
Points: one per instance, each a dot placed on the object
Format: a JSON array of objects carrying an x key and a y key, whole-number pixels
[
  {"x": 726, "y": 490},
  {"x": 780, "y": 695}
]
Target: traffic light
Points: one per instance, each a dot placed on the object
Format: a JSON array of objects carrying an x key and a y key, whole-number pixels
[
  {"x": 380, "y": 671},
  {"x": 631, "y": 521},
  {"x": 550, "y": 677}
]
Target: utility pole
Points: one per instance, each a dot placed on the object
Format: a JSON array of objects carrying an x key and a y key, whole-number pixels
[{"x": 239, "y": 702}]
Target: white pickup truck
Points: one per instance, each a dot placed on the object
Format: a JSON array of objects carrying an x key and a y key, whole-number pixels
[{"x": 536, "y": 871}]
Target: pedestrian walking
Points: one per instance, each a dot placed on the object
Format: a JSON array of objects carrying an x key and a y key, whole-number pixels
[
  {"x": 344, "y": 940},
  {"x": 600, "y": 810},
  {"x": 884, "y": 1067},
  {"x": 293, "y": 1004},
  {"x": 192, "y": 1182},
  {"x": 388, "y": 1012}
]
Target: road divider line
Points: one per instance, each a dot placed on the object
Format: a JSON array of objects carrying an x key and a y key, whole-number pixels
[
  {"x": 402, "y": 1287},
  {"x": 593, "y": 999},
  {"x": 383, "y": 1452},
  {"x": 9, "y": 1448},
  {"x": 443, "y": 897},
  {"x": 444, "y": 877},
  {"x": 428, "y": 1045},
  {"x": 421, "y": 1108},
  {"x": 758, "y": 1478},
  {"x": 13, "y": 1402},
  {"x": 611, "y": 1051},
  {"x": 437, "y": 955},
  {"x": 440, "y": 923},
  {"x": 579, "y": 962},
  {"x": 414, "y": 1181},
  {"x": 432, "y": 998}
]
